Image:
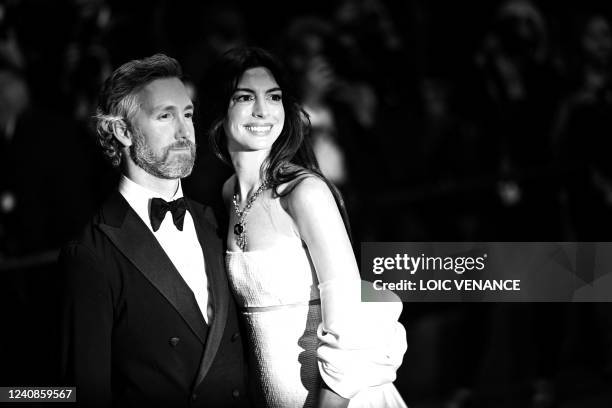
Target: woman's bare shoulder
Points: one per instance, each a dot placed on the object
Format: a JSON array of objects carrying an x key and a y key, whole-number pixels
[
  {"x": 308, "y": 193},
  {"x": 228, "y": 189},
  {"x": 309, "y": 185},
  {"x": 302, "y": 179}
]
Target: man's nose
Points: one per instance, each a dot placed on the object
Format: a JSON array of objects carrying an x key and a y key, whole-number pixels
[{"x": 183, "y": 130}]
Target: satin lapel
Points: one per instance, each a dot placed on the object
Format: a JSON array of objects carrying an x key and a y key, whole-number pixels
[
  {"x": 219, "y": 291},
  {"x": 138, "y": 244}
]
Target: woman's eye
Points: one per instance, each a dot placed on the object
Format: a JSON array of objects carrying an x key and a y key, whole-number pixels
[
  {"x": 243, "y": 98},
  {"x": 189, "y": 115},
  {"x": 276, "y": 97},
  {"x": 165, "y": 115}
]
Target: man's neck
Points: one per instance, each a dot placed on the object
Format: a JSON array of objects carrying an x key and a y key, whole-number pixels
[{"x": 167, "y": 188}]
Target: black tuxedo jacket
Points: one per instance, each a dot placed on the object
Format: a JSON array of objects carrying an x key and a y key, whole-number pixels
[{"x": 133, "y": 334}]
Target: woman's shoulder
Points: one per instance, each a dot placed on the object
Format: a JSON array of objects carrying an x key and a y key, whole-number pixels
[
  {"x": 309, "y": 185},
  {"x": 300, "y": 180},
  {"x": 228, "y": 189},
  {"x": 307, "y": 192}
]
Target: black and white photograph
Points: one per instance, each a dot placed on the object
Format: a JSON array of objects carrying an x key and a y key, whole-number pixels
[{"x": 342, "y": 203}]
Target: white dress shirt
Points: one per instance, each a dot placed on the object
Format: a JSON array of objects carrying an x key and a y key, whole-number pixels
[{"x": 182, "y": 247}]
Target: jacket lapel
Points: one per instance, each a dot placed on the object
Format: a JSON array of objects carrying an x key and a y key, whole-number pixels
[
  {"x": 219, "y": 291},
  {"x": 134, "y": 239}
]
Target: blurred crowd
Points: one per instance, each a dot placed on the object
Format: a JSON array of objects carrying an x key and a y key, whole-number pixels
[{"x": 438, "y": 121}]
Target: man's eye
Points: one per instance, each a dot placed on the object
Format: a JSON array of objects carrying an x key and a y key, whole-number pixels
[
  {"x": 189, "y": 115},
  {"x": 165, "y": 115}
]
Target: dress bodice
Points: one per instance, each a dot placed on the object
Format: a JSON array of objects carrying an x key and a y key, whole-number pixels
[
  {"x": 280, "y": 275},
  {"x": 276, "y": 290}
]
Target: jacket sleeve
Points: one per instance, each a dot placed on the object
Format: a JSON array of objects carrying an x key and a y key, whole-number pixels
[{"x": 87, "y": 321}]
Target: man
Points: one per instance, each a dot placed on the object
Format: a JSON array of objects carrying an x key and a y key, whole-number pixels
[{"x": 148, "y": 317}]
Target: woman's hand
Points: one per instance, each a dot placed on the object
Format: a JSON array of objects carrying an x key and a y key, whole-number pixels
[{"x": 329, "y": 399}]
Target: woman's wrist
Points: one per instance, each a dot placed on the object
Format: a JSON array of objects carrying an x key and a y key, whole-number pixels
[{"x": 329, "y": 399}]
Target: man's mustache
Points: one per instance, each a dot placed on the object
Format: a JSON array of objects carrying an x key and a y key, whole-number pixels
[{"x": 182, "y": 144}]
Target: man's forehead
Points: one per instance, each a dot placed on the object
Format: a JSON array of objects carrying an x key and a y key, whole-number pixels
[{"x": 163, "y": 92}]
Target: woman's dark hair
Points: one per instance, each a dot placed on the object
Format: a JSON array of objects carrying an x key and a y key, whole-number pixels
[{"x": 291, "y": 157}]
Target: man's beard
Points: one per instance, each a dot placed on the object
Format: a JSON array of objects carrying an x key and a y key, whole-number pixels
[{"x": 167, "y": 164}]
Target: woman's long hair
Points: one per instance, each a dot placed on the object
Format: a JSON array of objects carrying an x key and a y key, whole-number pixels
[{"x": 291, "y": 157}]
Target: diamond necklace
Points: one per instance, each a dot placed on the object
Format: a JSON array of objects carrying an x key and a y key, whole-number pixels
[{"x": 240, "y": 226}]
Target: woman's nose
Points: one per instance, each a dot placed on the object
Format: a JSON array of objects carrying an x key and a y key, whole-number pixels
[{"x": 259, "y": 109}]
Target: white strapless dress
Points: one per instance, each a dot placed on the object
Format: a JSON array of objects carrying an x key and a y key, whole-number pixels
[{"x": 290, "y": 350}]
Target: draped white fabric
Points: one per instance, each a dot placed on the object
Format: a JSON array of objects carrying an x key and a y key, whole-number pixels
[{"x": 362, "y": 343}]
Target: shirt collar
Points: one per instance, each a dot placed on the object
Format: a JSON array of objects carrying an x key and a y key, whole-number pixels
[{"x": 139, "y": 197}]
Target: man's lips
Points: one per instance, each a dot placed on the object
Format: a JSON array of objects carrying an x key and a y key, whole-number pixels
[{"x": 181, "y": 146}]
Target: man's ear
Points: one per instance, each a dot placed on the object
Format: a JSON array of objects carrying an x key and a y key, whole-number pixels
[{"x": 122, "y": 133}]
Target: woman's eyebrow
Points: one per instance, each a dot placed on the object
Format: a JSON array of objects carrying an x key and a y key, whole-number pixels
[{"x": 275, "y": 89}]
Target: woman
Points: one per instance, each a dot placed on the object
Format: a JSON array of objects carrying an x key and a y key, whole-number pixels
[{"x": 289, "y": 258}]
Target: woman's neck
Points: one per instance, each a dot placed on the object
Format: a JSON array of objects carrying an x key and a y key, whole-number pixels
[{"x": 247, "y": 166}]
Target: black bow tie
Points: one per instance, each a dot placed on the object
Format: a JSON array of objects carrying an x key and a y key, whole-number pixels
[{"x": 159, "y": 208}]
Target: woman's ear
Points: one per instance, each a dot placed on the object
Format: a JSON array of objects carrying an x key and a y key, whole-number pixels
[{"x": 122, "y": 133}]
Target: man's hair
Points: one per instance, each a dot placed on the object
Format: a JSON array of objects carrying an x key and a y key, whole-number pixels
[{"x": 117, "y": 104}]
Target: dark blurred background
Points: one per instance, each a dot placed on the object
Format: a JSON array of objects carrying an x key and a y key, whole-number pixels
[{"x": 439, "y": 121}]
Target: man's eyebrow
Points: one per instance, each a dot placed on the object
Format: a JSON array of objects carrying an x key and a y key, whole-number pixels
[{"x": 166, "y": 107}]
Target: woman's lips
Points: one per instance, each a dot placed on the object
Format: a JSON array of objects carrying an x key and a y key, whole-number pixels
[{"x": 258, "y": 129}]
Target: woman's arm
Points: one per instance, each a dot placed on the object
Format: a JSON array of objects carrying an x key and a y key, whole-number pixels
[
  {"x": 329, "y": 399},
  {"x": 362, "y": 344},
  {"x": 313, "y": 208}
]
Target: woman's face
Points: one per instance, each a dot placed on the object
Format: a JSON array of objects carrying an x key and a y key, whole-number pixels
[{"x": 255, "y": 115}]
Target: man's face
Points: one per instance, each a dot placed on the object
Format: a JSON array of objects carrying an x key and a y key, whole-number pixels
[{"x": 163, "y": 141}]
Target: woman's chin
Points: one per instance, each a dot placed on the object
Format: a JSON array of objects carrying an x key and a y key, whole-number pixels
[{"x": 255, "y": 144}]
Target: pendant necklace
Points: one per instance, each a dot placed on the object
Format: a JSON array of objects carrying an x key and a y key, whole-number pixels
[{"x": 240, "y": 226}]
